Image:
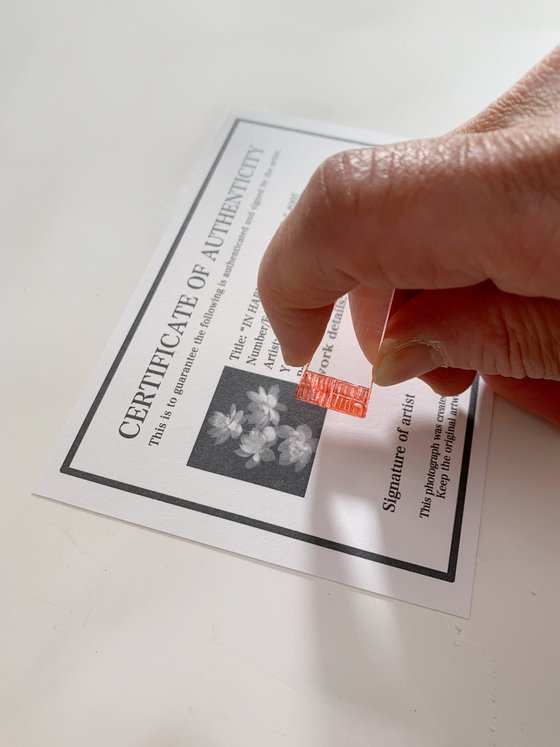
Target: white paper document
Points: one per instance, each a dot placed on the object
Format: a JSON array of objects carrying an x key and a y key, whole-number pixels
[{"x": 190, "y": 425}]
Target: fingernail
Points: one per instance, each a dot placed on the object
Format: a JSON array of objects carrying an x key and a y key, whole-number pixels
[
  {"x": 396, "y": 363},
  {"x": 291, "y": 358}
]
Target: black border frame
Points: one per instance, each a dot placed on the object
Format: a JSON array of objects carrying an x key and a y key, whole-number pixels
[{"x": 67, "y": 468}]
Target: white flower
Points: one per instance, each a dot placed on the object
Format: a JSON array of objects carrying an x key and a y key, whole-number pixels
[
  {"x": 298, "y": 445},
  {"x": 254, "y": 446},
  {"x": 224, "y": 426},
  {"x": 265, "y": 407},
  {"x": 270, "y": 435}
]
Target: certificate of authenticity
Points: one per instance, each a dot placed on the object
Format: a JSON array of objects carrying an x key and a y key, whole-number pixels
[{"x": 190, "y": 425}]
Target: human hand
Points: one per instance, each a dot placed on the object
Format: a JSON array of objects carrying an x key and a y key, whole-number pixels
[{"x": 472, "y": 218}]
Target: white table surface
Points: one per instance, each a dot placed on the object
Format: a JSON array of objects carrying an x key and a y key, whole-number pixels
[{"x": 115, "y": 635}]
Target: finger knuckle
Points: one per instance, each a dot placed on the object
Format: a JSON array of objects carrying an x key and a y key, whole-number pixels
[
  {"x": 352, "y": 194},
  {"x": 335, "y": 184},
  {"x": 543, "y": 329},
  {"x": 525, "y": 340},
  {"x": 521, "y": 167}
]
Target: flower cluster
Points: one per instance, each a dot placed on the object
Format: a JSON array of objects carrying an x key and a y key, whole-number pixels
[{"x": 258, "y": 429}]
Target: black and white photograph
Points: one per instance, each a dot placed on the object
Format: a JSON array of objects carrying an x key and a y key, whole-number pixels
[{"x": 256, "y": 431}]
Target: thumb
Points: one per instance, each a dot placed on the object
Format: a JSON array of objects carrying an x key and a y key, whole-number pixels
[{"x": 478, "y": 328}]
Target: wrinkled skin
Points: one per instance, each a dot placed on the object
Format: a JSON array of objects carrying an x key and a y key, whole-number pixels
[{"x": 471, "y": 218}]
